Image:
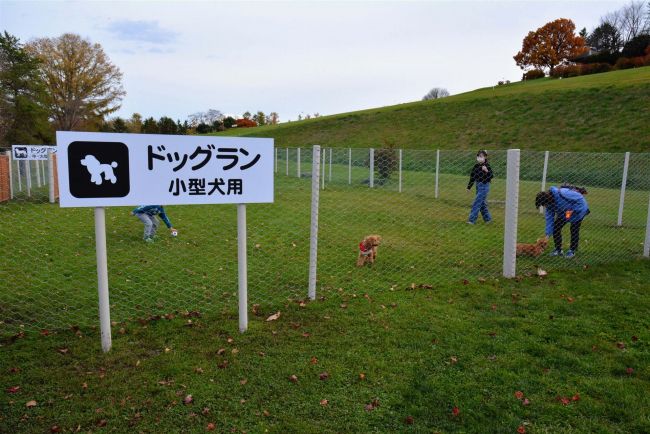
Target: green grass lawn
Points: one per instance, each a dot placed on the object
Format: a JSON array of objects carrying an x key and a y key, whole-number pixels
[
  {"x": 596, "y": 113},
  {"x": 464, "y": 337}
]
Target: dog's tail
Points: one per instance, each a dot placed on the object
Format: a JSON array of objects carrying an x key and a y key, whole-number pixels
[{"x": 114, "y": 164}]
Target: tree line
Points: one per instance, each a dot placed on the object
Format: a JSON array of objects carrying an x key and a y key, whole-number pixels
[
  {"x": 68, "y": 83},
  {"x": 620, "y": 41}
]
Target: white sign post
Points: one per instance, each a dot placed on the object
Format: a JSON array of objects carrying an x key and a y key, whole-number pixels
[{"x": 105, "y": 169}]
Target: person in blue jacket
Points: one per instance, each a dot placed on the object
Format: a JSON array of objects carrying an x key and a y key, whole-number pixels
[
  {"x": 481, "y": 174},
  {"x": 563, "y": 205},
  {"x": 147, "y": 214}
]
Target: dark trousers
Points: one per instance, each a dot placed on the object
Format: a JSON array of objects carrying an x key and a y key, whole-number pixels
[{"x": 560, "y": 221}]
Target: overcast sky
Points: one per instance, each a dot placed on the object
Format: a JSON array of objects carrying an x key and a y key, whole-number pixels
[{"x": 296, "y": 57}]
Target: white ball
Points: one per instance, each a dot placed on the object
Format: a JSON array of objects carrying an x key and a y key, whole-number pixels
[{"x": 174, "y": 233}]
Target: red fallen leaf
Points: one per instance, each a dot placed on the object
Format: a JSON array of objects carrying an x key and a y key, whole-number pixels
[
  {"x": 306, "y": 335},
  {"x": 205, "y": 411},
  {"x": 408, "y": 420},
  {"x": 493, "y": 307},
  {"x": 324, "y": 402},
  {"x": 576, "y": 397},
  {"x": 521, "y": 429},
  {"x": 455, "y": 411},
  {"x": 210, "y": 427},
  {"x": 564, "y": 400},
  {"x": 188, "y": 399},
  {"x": 102, "y": 423},
  {"x": 465, "y": 282},
  {"x": 629, "y": 371},
  {"x": 293, "y": 379},
  {"x": 223, "y": 365},
  {"x": 620, "y": 345},
  {"x": 519, "y": 394},
  {"x": 55, "y": 428},
  {"x": 274, "y": 316},
  {"x": 30, "y": 404},
  {"x": 369, "y": 407},
  {"x": 313, "y": 360},
  {"x": 375, "y": 402},
  {"x": 635, "y": 338},
  {"x": 324, "y": 375},
  {"x": 14, "y": 370},
  {"x": 45, "y": 332},
  {"x": 492, "y": 334},
  {"x": 13, "y": 389},
  {"x": 526, "y": 401}
]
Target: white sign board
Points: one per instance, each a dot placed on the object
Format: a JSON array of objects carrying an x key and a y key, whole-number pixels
[
  {"x": 108, "y": 169},
  {"x": 31, "y": 152}
]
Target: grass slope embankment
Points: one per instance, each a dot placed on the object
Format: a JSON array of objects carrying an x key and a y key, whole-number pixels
[{"x": 601, "y": 113}]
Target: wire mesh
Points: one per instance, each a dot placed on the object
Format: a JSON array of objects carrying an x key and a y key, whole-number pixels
[{"x": 416, "y": 200}]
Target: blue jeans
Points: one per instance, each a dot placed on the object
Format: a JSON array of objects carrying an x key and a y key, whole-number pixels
[{"x": 480, "y": 203}]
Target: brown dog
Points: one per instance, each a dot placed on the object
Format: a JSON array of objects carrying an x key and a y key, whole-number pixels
[
  {"x": 533, "y": 250},
  {"x": 368, "y": 250}
]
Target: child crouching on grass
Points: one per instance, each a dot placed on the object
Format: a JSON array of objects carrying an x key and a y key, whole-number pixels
[{"x": 147, "y": 214}]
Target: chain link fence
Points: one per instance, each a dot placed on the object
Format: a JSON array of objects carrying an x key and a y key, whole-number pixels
[{"x": 417, "y": 201}]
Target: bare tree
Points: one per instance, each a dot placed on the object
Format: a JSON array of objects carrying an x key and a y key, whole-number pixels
[
  {"x": 436, "y": 93},
  {"x": 633, "y": 20}
]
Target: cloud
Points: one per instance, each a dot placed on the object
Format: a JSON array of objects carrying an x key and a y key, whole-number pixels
[{"x": 142, "y": 31}]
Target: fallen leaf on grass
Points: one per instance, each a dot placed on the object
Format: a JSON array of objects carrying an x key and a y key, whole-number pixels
[
  {"x": 188, "y": 400},
  {"x": 620, "y": 345},
  {"x": 30, "y": 404},
  {"x": 205, "y": 411},
  {"x": 629, "y": 371},
  {"x": 526, "y": 401},
  {"x": 63, "y": 350},
  {"x": 455, "y": 411},
  {"x": 102, "y": 423},
  {"x": 635, "y": 338},
  {"x": 324, "y": 375},
  {"x": 453, "y": 360},
  {"x": 344, "y": 306},
  {"x": 84, "y": 386},
  {"x": 210, "y": 427},
  {"x": 324, "y": 402},
  {"x": 221, "y": 351},
  {"x": 575, "y": 397},
  {"x": 13, "y": 389},
  {"x": 409, "y": 420},
  {"x": 198, "y": 370},
  {"x": 541, "y": 273},
  {"x": 256, "y": 309},
  {"x": 223, "y": 365},
  {"x": 45, "y": 332},
  {"x": 55, "y": 428},
  {"x": 362, "y": 376},
  {"x": 521, "y": 429},
  {"x": 274, "y": 316},
  {"x": 266, "y": 413},
  {"x": 14, "y": 370},
  {"x": 306, "y": 335},
  {"x": 293, "y": 379},
  {"x": 519, "y": 394},
  {"x": 243, "y": 381},
  {"x": 313, "y": 361}
]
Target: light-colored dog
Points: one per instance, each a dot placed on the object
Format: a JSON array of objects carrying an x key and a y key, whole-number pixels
[
  {"x": 96, "y": 170},
  {"x": 533, "y": 250},
  {"x": 368, "y": 250}
]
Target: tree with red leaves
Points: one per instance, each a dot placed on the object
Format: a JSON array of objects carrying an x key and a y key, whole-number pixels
[{"x": 550, "y": 45}]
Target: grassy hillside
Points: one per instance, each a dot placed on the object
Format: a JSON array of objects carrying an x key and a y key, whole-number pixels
[{"x": 603, "y": 112}]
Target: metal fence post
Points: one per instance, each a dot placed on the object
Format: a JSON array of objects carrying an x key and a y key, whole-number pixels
[
  {"x": 50, "y": 169},
  {"x": 11, "y": 175},
  {"x": 646, "y": 245},
  {"x": 313, "y": 231},
  {"x": 400, "y": 171},
  {"x": 287, "y": 161},
  {"x": 276, "y": 160},
  {"x": 621, "y": 203},
  {"x": 43, "y": 172},
  {"x": 544, "y": 172},
  {"x": 102, "y": 279},
  {"x": 28, "y": 173},
  {"x": 322, "y": 167},
  {"x": 511, "y": 214},
  {"x": 349, "y": 165},
  {"x": 437, "y": 170},
  {"x": 37, "y": 163},
  {"x": 372, "y": 167},
  {"x": 298, "y": 161},
  {"x": 242, "y": 267},
  {"x": 330, "y": 165}
]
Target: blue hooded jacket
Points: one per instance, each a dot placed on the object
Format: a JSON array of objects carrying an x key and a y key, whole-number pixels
[
  {"x": 154, "y": 210},
  {"x": 565, "y": 200}
]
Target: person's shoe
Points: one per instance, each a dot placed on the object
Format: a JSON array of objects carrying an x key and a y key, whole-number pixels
[
  {"x": 470, "y": 223},
  {"x": 148, "y": 240},
  {"x": 489, "y": 222},
  {"x": 569, "y": 254},
  {"x": 557, "y": 252}
]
